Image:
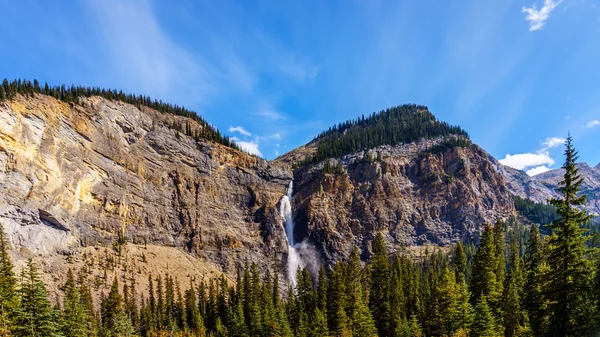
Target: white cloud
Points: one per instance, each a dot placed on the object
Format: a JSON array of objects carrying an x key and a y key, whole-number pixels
[
  {"x": 524, "y": 160},
  {"x": 552, "y": 142},
  {"x": 248, "y": 146},
  {"x": 271, "y": 114},
  {"x": 592, "y": 124},
  {"x": 537, "y": 170},
  {"x": 537, "y": 18},
  {"x": 239, "y": 129}
]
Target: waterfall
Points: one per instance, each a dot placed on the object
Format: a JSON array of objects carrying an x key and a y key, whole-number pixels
[{"x": 294, "y": 260}]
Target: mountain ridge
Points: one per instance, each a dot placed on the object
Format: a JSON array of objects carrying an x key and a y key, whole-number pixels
[{"x": 96, "y": 171}]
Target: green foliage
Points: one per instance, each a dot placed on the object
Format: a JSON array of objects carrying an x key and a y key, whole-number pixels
[
  {"x": 401, "y": 124},
  {"x": 35, "y": 315},
  {"x": 538, "y": 213},
  {"x": 571, "y": 306},
  {"x": 71, "y": 94},
  {"x": 528, "y": 287},
  {"x": 8, "y": 292}
]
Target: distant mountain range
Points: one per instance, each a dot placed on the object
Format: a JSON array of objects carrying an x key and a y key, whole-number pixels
[{"x": 544, "y": 186}]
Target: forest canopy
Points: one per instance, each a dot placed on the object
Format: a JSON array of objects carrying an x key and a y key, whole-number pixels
[{"x": 401, "y": 124}]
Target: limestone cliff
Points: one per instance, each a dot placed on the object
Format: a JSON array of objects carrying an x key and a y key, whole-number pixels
[{"x": 101, "y": 171}]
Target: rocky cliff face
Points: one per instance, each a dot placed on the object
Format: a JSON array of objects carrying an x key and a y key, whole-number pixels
[
  {"x": 73, "y": 175},
  {"x": 412, "y": 196},
  {"x": 101, "y": 171}
]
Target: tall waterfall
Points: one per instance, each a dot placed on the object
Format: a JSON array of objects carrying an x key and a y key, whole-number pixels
[{"x": 294, "y": 260}]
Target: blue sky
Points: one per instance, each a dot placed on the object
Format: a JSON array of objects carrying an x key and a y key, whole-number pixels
[{"x": 517, "y": 75}]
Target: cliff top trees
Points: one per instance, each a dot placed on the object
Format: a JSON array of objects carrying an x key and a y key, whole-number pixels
[{"x": 402, "y": 124}]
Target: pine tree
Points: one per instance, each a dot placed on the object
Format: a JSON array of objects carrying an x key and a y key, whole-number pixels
[
  {"x": 35, "y": 316},
  {"x": 114, "y": 319},
  {"x": 195, "y": 322},
  {"x": 460, "y": 261},
  {"x": 87, "y": 302},
  {"x": 484, "y": 324},
  {"x": 572, "y": 308},
  {"x": 319, "y": 325},
  {"x": 74, "y": 318},
  {"x": 336, "y": 301},
  {"x": 514, "y": 317},
  {"x": 380, "y": 292},
  {"x": 484, "y": 278},
  {"x": 362, "y": 321},
  {"x": 8, "y": 293},
  {"x": 534, "y": 301}
]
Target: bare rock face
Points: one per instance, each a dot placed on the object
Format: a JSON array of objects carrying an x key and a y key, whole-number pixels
[
  {"x": 73, "y": 175},
  {"x": 412, "y": 196}
]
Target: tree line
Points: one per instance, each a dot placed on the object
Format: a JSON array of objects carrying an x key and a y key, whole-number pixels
[
  {"x": 71, "y": 94},
  {"x": 402, "y": 124},
  {"x": 517, "y": 282}
]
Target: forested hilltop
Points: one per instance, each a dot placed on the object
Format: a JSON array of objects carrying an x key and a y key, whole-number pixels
[
  {"x": 8, "y": 90},
  {"x": 402, "y": 124},
  {"x": 516, "y": 283}
]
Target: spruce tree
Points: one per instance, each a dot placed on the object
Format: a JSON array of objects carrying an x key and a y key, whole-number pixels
[
  {"x": 362, "y": 321},
  {"x": 572, "y": 308},
  {"x": 35, "y": 317},
  {"x": 74, "y": 317},
  {"x": 379, "y": 300},
  {"x": 485, "y": 265},
  {"x": 484, "y": 324},
  {"x": 534, "y": 280},
  {"x": 8, "y": 293},
  {"x": 514, "y": 318},
  {"x": 459, "y": 261}
]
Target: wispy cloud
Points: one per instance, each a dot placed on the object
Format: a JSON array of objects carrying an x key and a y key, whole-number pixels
[
  {"x": 271, "y": 114},
  {"x": 144, "y": 57},
  {"x": 537, "y": 18},
  {"x": 239, "y": 129},
  {"x": 552, "y": 142},
  {"x": 592, "y": 124}
]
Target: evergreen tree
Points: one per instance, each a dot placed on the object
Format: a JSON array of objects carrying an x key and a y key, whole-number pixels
[
  {"x": 74, "y": 317},
  {"x": 460, "y": 261},
  {"x": 379, "y": 298},
  {"x": 35, "y": 317},
  {"x": 115, "y": 322},
  {"x": 8, "y": 293},
  {"x": 534, "y": 301},
  {"x": 514, "y": 317},
  {"x": 362, "y": 321},
  {"x": 319, "y": 325},
  {"x": 484, "y": 275},
  {"x": 572, "y": 308},
  {"x": 484, "y": 324},
  {"x": 195, "y": 322}
]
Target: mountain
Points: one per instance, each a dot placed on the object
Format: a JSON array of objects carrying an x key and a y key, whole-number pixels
[
  {"x": 89, "y": 172},
  {"x": 429, "y": 185},
  {"x": 589, "y": 187},
  {"x": 542, "y": 187},
  {"x": 100, "y": 171}
]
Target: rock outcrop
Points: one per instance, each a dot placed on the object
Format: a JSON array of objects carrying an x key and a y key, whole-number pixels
[
  {"x": 414, "y": 197},
  {"x": 101, "y": 171}
]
